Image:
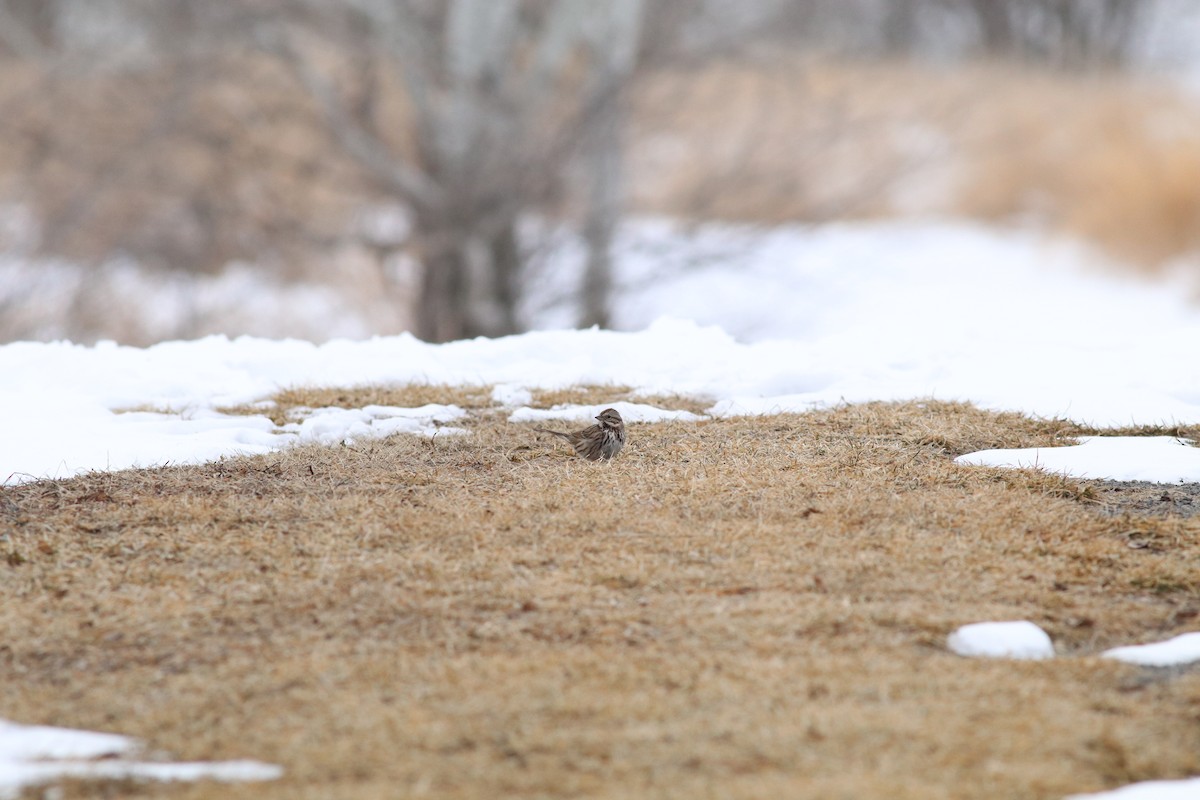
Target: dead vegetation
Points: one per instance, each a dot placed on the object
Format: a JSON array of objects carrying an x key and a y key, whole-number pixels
[
  {"x": 1107, "y": 158},
  {"x": 411, "y": 395},
  {"x": 742, "y": 608}
]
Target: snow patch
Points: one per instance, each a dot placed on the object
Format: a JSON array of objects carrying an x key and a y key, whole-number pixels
[
  {"x": 765, "y": 406},
  {"x": 510, "y": 395},
  {"x": 1019, "y": 640},
  {"x": 1158, "y": 459},
  {"x": 1148, "y": 790},
  {"x": 36, "y": 754},
  {"x": 630, "y": 412},
  {"x": 1183, "y": 649},
  {"x": 348, "y": 425}
]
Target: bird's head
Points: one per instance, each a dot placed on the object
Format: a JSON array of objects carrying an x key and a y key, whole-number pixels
[{"x": 610, "y": 417}]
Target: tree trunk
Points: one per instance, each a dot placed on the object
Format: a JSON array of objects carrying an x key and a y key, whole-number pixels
[
  {"x": 470, "y": 285},
  {"x": 603, "y": 208},
  {"x": 900, "y": 29},
  {"x": 486, "y": 81},
  {"x": 995, "y": 26},
  {"x": 440, "y": 315},
  {"x": 506, "y": 269},
  {"x": 604, "y": 157}
]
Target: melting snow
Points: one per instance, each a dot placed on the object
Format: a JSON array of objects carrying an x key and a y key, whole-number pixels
[
  {"x": 1160, "y": 459},
  {"x": 36, "y": 754},
  {"x": 1182, "y": 649}
]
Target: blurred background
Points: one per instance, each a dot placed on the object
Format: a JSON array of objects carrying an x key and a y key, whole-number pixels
[{"x": 345, "y": 168}]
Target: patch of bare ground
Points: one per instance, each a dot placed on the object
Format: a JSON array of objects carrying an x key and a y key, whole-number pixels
[
  {"x": 736, "y": 608},
  {"x": 1147, "y": 499}
]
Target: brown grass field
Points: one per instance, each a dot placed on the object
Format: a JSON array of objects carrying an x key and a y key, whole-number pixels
[{"x": 742, "y": 608}]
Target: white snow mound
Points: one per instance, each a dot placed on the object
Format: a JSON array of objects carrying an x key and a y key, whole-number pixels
[
  {"x": 1183, "y": 649},
  {"x": 1021, "y": 640}
]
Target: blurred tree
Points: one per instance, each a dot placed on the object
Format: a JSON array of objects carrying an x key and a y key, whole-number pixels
[
  {"x": 190, "y": 135},
  {"x": 1072, "y": 34},
  {"x": 28, "y": 28},
  {"x": 501, "y": 95}
]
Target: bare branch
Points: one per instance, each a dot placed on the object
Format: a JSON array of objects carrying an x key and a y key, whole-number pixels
[
  {"x": 399, "y": 31},
  {"x": 402, "y": 177},
  {"x": 554, "y": 47}
]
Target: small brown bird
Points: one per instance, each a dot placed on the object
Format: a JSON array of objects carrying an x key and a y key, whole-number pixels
[{"x": 603, "y": 440}]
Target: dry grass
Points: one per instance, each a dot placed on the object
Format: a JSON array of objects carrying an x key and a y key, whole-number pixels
[
  {"x": 735, "y": 608},
  {"x": 1110, "y": 158},
  {"x": 776, "y": 142}
]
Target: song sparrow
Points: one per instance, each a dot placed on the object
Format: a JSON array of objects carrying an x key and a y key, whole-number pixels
[{"x": 604, "y": 440}]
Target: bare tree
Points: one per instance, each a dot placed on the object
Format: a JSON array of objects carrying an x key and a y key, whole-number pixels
[
  {"x": 501, "y": 96},
  {"x": 615, "y": 44},
  {"x": 211, "y": 132},
  {"x": 188, "y": 135}
]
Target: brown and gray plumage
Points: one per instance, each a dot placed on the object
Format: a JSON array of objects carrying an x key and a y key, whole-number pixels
[{"x": 603, "y": 440}]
